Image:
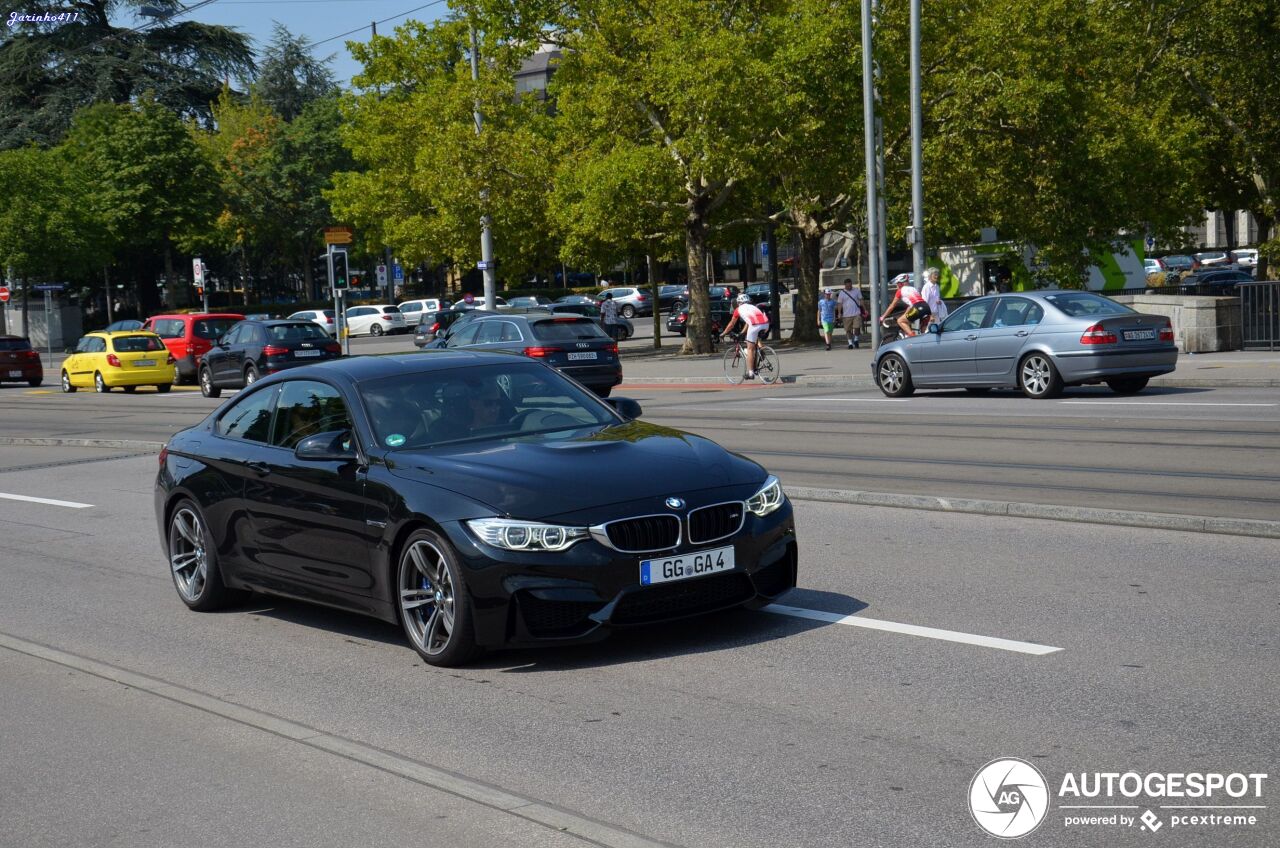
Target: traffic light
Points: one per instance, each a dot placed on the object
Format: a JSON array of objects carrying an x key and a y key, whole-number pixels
[
  {"x": 357, "y": 281},
  {"x": 341, "y": 276}
]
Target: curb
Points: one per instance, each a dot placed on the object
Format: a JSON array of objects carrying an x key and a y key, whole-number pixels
[
  {"x": 851, "y": 382},
  {"x": 127, "y": 444},
  {"x": 1083, "y": 515}
]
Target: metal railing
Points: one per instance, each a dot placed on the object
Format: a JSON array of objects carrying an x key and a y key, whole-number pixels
[{"x": 1260, "y": 315}]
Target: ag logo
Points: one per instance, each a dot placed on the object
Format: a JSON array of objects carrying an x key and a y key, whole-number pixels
[{"x": 1008, "y": 798}]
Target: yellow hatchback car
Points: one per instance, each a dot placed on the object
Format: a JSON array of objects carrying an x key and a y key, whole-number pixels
[{"x": 125, "y": 358}]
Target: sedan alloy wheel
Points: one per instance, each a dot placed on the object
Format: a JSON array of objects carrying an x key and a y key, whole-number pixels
[
  {"x": 207, "y": 388},
  {"x": 893, "y": 377},
  {"x": 193, "y": 562},
  {"x": 433, "y": 601},
  {"x": 1039, "y": 378}
]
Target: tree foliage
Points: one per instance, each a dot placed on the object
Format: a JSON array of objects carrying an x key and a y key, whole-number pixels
[
  {"x": 47, "y": 227},
  {"x": 289, "y": 77}
]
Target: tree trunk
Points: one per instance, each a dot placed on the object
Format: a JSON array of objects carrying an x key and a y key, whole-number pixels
[
  {"x": 806, "y": 317},
  {"x": 244, "y": 274},
  {"x": 1265, "y": 224},
  {"x": 698, "y": 335}
]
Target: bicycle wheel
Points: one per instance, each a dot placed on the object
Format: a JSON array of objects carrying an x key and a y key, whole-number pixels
[
  {"x": 734, "y": 368},
  {"x": 767, "y": 367}
]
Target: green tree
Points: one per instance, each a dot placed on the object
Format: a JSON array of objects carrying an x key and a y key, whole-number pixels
[
  {"x": 289, "y": 77},
  {"x": 48, "y": 71}
]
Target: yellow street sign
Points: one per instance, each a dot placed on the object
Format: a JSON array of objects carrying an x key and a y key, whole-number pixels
[{"x": 337, "y": 235}]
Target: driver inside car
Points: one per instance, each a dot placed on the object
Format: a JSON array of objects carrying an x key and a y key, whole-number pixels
[{"x": 469, "y": 407}]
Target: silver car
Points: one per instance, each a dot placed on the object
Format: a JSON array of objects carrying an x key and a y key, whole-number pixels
[{"x": 1034, "y": 341}]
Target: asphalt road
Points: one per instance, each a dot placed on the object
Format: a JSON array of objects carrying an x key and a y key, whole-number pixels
[
  {"x": 1135, "y": 650},
  {"x": 1210, "y": 452}
]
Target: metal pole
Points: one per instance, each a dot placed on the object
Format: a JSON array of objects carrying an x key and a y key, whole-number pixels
[
  {"x": 917, "y": 167},
  {"x": 656, "y": 287},
  {"x": 48, "y": 324},
  {"x": 775, "y": 288},
  {"x": 486, "y": 232},
  {"x": 106, "y": 287},
  {"x": 869, "y": 142}
]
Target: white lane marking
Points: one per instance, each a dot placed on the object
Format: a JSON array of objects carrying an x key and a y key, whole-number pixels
[
  {"x": 843, "y": 400},
  {"x": 1158, "y": 403},
  {"x": 913, "y": 630},
  {"x": 49, "y": 501}
]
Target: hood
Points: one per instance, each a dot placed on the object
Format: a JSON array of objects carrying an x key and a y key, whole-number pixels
[{"x": 540, "y": 476}]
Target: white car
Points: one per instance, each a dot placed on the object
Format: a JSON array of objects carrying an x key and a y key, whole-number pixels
[
  {"x": 1246, "y": 258},
  {"x": 323, "y": 317},
  {"x": 412, "y": 309},
  {"x": 375, "y": 320}
]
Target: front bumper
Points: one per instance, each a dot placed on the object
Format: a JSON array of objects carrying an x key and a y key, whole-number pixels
[{"x": 580, "y": 595}]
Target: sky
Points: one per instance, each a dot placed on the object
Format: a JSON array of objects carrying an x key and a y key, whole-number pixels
[{"x": 318, "y": 20}]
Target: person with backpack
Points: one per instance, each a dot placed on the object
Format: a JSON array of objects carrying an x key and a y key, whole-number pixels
[{"x": 849, "y": 305}]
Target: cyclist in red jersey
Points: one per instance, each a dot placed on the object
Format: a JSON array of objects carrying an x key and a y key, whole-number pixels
[
  {"x": 756, "y": 324},
  {"x": 917, "y": 306}
]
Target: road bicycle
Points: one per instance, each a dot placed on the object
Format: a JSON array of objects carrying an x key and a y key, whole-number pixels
[{"x": 768, "y": 369}]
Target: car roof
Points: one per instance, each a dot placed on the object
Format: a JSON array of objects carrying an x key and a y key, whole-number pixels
[
  {"x": 114, "y": 333},
  {"x": 360, "y": 368},
  {"x": 236, "y": 315}
]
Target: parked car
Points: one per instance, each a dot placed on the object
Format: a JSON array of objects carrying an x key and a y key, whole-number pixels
[
  {"x": 19, "y": 363},
  {"x": 324, "y": 318},
  {"x": 1153, "y": 266},
  {"x": 1038, "y": 342},
  {"x": 124, "y": 324},
  {"x": 189, "y": 337},
  {"x": 1216, "y": 281},
  {"x": 1211, "y": 258},
  {"x": 254, "y": 349},
  {"x": 761, "y": 294},
  {"x": 590, "y": 310},
  {"x": 576, "y": 298},
  {"x": 1246, "y": 258},
  {"x": 1177, "y": 263},
  {"x": 716, "y": 292},
  {"x": 571, "y": 344},
  {"x": 413, "y": 310},
  {"x": 721, "y": 310},
  {"x": 375, "y": 320},
  {"x": 631, "y": 301},
  {"x": 127, "y": 358},
  {"x": 496, "y": 504},
  {"x": 529, "y": 301}
]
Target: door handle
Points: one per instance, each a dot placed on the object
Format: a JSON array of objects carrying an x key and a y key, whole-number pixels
[
  {"x": 1022, "y": 333},
  {"x": 259, "y": 467},
  {"x": 971, "y": 338}
]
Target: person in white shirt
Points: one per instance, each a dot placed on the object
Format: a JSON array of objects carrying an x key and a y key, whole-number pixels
[
  {"x": 933, "y": 296},
  {"x": 916, "y": 306},
  {"x": 609, "y": 313},
  {"x": 849, "y": 303},
  {"x": 756, "y": 324}
]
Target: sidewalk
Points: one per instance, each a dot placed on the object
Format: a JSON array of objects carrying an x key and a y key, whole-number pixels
[{"x": 810, "y": 365}]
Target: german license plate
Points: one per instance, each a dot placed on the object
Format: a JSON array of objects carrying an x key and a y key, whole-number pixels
[
  {"x": 684, "y": 566},
  {"x": 302, "y": 354},
  {"x": 586, "y": 355},
  {"x": 144, "y": 363},
  {"x": 1139, "y": 335},
  {"x": 15, "y": 373}
]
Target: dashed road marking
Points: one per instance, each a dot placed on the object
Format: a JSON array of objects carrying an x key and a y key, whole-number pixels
[{"x": 48, "y": 501}]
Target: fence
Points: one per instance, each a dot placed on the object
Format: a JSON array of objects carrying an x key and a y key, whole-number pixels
[{"x": 1260, "y": 315}]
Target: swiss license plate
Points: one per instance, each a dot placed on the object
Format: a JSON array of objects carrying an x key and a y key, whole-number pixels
[
  {"x": 585, "y": 355},
  {"x": 684, "y": 566},
  {"x": 301, "y": 354},
  {"x": 1139, "y": 335},
  {"x": 144, "y": 363},
  {"x": 15, "y": 373}
]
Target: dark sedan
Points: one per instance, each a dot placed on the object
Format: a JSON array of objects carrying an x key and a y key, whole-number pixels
[
  {"x": 571, "y": 344},
  {"x": 1038, "y": 342},
  {"x": 721, "y": 309},
  {"x": 477, "y": 500},
  {"x": 253, "y": 349}
]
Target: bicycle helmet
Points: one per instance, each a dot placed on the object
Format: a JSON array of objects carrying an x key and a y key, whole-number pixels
[{"x": 742, "y": 298}]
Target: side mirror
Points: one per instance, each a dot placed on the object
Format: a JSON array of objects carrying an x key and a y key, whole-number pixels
[
  {"x": 336, "y": 445},
  {"x": 936, "y": 329},
  {"x": 626, "y": 407}
]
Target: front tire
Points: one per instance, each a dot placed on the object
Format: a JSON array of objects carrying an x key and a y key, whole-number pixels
[
  {"x": 894, "y": 377},
  {"x": 66, "y": 383},
  {"x": 435, "y": 608},
  {"x": 193, "y": 562},
  {"x": 1127, "y": 385},
  {"x": 207, "y": 388},
  {"x": 1038, "y": 377},
  {"x": 100, "y": 385},
  {"x": 733, "y": 365}
]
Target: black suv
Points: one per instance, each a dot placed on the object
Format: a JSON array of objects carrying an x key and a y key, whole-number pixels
[
  {"x": 574, "y": 345},
  {"x": 253, "y": 349}
]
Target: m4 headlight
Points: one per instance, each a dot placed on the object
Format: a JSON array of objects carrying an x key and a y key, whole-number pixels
[
  {"x": 513, "y": 535},
  {"x": 768, "y": 499}
]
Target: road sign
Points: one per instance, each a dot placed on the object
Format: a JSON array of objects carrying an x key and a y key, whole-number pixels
[
  {"x": 338, "y": 235},
  {"x": 382, "y": 276},
  {"x": 49, "y": 287},
  {"x": 485, "y": 266},
  {"x": 1151, "y": 243},
  {"x": 4, "y": 294},
  {"x": 197, "y": 271},
  {"x": 764, "y": 249},
  {"x": 397, "y": 272}
]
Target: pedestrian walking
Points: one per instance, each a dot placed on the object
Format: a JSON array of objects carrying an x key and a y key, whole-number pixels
[
  {"x": 849, "y": 305},
  {"x": 609, "y": 312},
  {"x": 827, "y": 316},
  {"x": 933, "y": 296}
]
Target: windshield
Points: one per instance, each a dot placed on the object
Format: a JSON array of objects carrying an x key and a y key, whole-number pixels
[
  {"x": 566, "y": 330},
  {"x": 430, "y": 408},
  {"x": 1083, "y": 304},
  {"x": 15, "y": 344},
  {"x": 136, "y": 344}
]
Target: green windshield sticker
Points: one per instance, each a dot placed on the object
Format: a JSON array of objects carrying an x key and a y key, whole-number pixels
[{"x": 395, "y": 440}]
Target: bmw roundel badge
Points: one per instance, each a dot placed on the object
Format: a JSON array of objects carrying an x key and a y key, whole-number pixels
[{"x": 675, "y": 503}]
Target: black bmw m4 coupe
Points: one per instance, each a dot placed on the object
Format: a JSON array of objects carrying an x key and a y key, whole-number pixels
[{"x": 478, "y": 500}]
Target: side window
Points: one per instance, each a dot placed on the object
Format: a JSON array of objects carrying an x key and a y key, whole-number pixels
[
  {"x": 253, "y": 335},
  {"x": 493, "y": 331},
  {"x": 1017, "y": 311},
  {"x": 967, "y": 317},
  {"x": 84, "y": 345},
  {"x": 510, "y": 333},
  {"x": 97, "y": 345},
  {"x": 250, "y": 418},
  {"x": 308, "y": 407},
  {"x": 234, "y": 336},
  {"x": 467, "y": 335}
]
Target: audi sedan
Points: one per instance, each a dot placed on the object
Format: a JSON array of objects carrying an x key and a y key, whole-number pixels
[
  {"x": 1038, "y": 342},
  {"x": 476, "y": 500}
]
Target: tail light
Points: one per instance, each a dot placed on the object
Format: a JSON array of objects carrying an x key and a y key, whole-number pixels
[
  {"x": 681, "y": 318},
  {"x": 639, "y": 296},
  {"x": 328, "y": 319},
  {"x": 613, "y": 348},
  {"x": 164, "y": 454},
  {"x": 386, "y": 317},
  {"x": 540, "y": 352},
  {"x": 113, "y": 360},
  {"x": 1166, "y": 332},
  {"x": 169, "y": 360},
  {"x": 333, "y": 347},
  {"x": 1098, "y": 334},
  {"x": 30, "y": 354},
  {"x": 274, "y": 350},
  {"x": 435, "y": 328}
]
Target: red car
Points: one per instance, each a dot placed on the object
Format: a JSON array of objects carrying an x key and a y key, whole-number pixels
[
  {"x": 189, "y": 337},
  {"x": 19, "y": 363}
]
